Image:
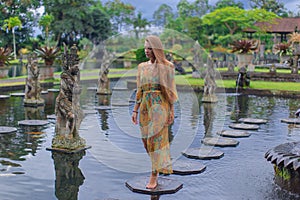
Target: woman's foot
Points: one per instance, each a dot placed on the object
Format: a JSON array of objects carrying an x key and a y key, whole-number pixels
[{"x": 153, "y": 181}]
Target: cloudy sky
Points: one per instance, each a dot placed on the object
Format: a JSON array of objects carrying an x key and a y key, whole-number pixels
[{"x": 147, "y": 7}]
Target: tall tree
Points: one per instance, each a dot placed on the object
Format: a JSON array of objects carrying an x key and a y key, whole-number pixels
[
  {"x": 139, "y": 24},
  {"x": 45, "y": 22},
  {"x": 162, "y": 14},
  {"x": 227, "y": 3},
  {"x": 10, "y": 24},
  {"x": 120, "y": 13},
  {"x": 275, "y": 6}
]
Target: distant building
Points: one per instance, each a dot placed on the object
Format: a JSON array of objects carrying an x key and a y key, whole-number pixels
[{"x": 281, "y": 27}]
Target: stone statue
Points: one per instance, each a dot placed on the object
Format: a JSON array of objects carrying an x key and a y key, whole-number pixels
[
  {"x": 210, "y": 85},
  {"x": 67, "y": 108},
  {"x": 103, "y": 81},
  {"x": 32, "y": 87},
  {"x": 198, "y": 62}
]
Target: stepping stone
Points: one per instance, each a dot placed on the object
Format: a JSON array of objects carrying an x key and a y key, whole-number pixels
[
  {"x": 33, "y": 122},
  {"x": 120, "y": 104},
  {"x": 220, "y": 142},
  {"x": 203, "y": 153},
  {"x": 44, "y": 92},
  {"x": 187, "y": 167},
  {"x": 53, "y": 90},
  {"x": 244, "y": 126},
  {"x": 234, "y": 133},
  {"x": 253, "y": 121},
  {"x": 4, "y": 96},
  {"x": 18, "y": 94},
  {"x": 92, "y": 88},
  {"x": 103, "y": 108},
  {"x": 291, "y": 121},
  {"x": 165, "y": 186},
  {"x": 120, "y": 88},
  {"x": 89, "y": 112},
  {"x": 68, "y": 151},
  {"x": 51, "y": 117},
  {"x": 7, "y": 129}
]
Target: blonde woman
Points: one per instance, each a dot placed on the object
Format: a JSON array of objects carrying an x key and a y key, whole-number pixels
[{"x": 155, "y": 98}]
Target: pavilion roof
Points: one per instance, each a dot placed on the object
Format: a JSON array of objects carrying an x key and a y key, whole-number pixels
[{"x": 283, "y": 25}]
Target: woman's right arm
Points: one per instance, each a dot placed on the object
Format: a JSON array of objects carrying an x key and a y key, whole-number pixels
[{"x": 138, "y": 97}]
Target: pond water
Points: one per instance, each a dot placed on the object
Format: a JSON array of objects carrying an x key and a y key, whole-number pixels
[{"x": 29, "y": 171}]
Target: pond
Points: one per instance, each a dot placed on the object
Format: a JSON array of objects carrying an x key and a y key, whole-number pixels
[{"x": 29, "y": 171}]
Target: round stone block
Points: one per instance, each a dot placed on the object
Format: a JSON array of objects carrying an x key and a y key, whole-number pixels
[
  {"x": 7, "y": 129},
  {"x": 203, "y": 153},
  {"x": 53, "y": 90},
  {"x": 165, "y": 186},
  {"x": 17, "y": 94},
  {"x": 220, "y": 142},
  {"x": 187, "y": 167},
  {"x": 244, "y": 126},
  {"x": 253, "y": 121},
  {"x": 44, "y": 92},
  {"x": 4, "y": 96},
  {"x": 234, "y": 133},
  {"x": 33, "y": 122},
  {"x": 291, "y": 121}
]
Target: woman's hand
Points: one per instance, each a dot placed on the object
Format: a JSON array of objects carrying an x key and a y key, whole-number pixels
[
  {"x": 134, "y": 118},
  {"x": 171, "y": 116}
]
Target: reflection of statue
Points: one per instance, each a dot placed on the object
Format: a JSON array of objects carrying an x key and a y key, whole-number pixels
[
  {"x": 67, "y": 109},
  {"x": 68, "y": 175},
  {"x": 104, "y": 117},
  {"x": 33, "y": 88},
  {"x": 208, "y": 117},
  {"x": 210, "y": 84},
  {"x": 103, "y": 81},
  {"x": 34, "y": 113}
]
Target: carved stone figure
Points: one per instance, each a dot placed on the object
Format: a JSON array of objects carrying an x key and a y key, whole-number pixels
[
  {"x": 210, "y": 85},
  {"x": 67, "y": 108},
  {"x": 103, "y": 81},
  {"x": 33, "y": 88}
]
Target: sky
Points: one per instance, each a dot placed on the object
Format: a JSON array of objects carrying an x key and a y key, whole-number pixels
[{"x": 148, "y": 7}]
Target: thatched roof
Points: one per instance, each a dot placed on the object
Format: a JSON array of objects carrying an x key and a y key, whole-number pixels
[{"x": 283, "y": 25}]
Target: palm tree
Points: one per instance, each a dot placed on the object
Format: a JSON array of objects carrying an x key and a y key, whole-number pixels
[
  {"x": 45, "y": 22},
  {"x": 139, "y": 23},
  {"x": 10, "y": 24}
]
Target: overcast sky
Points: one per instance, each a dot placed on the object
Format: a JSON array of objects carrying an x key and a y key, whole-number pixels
[{"x": 148, "y": 7}]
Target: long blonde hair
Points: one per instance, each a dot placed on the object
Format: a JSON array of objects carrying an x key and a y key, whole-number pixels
[{"x": 157, "y": 48}]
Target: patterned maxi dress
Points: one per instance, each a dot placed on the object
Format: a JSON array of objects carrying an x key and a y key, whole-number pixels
[{"x": 156, "y": 90}]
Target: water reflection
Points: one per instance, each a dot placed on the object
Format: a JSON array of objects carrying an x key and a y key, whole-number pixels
[
  {"x": 208, "y": 118},
  {"x": 68, "y": 176},
  {"x": 34, "y": 112}
]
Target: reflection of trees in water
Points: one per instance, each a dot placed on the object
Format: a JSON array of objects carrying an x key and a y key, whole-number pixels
[
  {"x": 208, "y": 117},
  {"x": 68, "y": 176},
  {"x": 240, "y": 107},
  {"x": 16, "y": 145},
  {"x": 294, "y": 105}
]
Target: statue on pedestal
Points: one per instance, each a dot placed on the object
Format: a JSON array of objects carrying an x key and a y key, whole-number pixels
[
  {"x": 210, "y": 85},
  {"x": 67, "y": 108},
  {"x": 32, "y": 87},
  {"x": 103, "y": 81}
]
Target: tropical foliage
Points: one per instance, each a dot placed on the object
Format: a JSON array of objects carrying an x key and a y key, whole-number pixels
[
  {"x": 49, "y": 54},
  {"x": 5, "y": 56}
]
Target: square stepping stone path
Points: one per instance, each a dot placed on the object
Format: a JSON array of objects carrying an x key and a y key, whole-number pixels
[
  {"x": 187, "y": 167},
  {"x": 7, "y": 129},
  {"x": 234, "y": 133},
  {"x": 165, "y": 186},
  {"x": 244, "y": 126},
  {"x": 253, "y": 121},
  {"x": 203, "y": 153},
  {"x": 291, "y": 120},
  {"x": 220, "y": 142}
]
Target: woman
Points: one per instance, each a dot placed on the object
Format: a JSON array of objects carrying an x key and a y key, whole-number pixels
[{"x": 155, "y": 97}]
